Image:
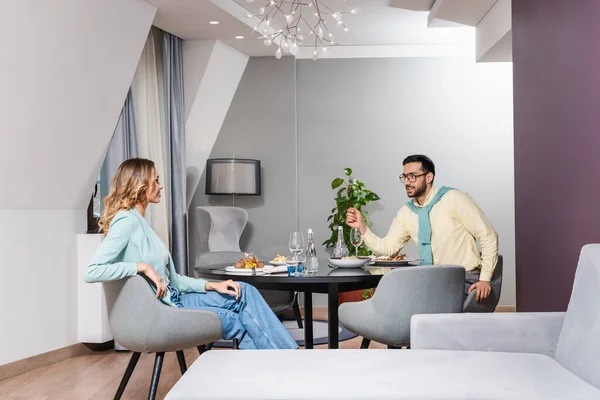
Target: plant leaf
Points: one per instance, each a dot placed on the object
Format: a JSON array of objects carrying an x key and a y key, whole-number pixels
[
  {"x": 372, "y": 196},
  {"x": 337, "y": 182},
  {"x": 348, "y": 171}
]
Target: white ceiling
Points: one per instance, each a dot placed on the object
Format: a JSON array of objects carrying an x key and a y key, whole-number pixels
[{"x": 375, "y": 24}]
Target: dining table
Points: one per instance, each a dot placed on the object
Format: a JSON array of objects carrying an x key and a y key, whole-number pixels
[{"x": 331, "y": 282}]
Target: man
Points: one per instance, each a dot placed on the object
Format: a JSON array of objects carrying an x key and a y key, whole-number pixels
[{"x": 443, "y": 222}]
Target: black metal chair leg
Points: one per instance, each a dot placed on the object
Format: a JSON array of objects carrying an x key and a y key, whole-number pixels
[
  {"x": 209, "y": 346},
  {"x": 181, "y": 359},
  {"x": 297, "y": 314},
  {"x": 202, "y": 349},
  {"x": 156, "y": 375},
  {"x": 130, "y": 367},
  {"x": 236, "y": 344},
  {"x": 365, "y": 343},
  {"x": 393, "y": 347}
]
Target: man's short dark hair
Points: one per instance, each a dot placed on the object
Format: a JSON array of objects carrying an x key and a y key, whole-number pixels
[{"x": 426, "y": 163}]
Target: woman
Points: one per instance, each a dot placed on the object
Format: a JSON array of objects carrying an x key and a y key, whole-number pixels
[{"x": 131, "y": 247}]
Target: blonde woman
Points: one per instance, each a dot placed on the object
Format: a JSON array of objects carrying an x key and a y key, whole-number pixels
[{"x": 131, "y": 247}]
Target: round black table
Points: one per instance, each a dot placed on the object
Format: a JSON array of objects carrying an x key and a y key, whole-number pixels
[{"x": 331, "y": 282}]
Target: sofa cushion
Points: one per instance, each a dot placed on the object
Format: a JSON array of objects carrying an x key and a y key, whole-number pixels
[
  {"x": 378, "y": 374},
  {"x": 578, "y": 347}
]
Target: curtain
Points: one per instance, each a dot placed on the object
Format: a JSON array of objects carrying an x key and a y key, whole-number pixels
[
  {"x": 123, "y": 144},
  {"x": 148, "y": 88},
  {"x": 175, "y": 140}
]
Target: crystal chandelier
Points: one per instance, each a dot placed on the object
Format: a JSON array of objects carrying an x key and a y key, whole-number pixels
[{"x": 305, "y": 22}]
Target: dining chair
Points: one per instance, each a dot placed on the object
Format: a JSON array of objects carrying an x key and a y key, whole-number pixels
[
  {"x": 143, "y": 324},
  {"x": 402, "y": 293}
]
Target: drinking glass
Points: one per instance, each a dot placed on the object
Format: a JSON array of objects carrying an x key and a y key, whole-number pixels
[
  {"x": 297, "y": 244},
  {"x": 356, "y": 239}
]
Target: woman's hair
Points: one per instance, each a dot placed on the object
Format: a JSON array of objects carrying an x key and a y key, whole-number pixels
[{"x": 127, "y": 189}]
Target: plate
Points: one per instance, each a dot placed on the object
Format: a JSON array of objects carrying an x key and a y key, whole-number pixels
[
  {"x": 277, "y": 264},
  {"x": 399, "y": 263},
  {"x": 339, "y": 263},
  {"x": 246, "y": 271}
]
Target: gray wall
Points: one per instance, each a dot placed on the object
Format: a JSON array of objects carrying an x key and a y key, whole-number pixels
[
  {"x": 368, "y": 114},
  {"x": 260, "y": 124}
]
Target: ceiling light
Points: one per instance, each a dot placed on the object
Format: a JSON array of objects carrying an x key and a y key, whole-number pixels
[
  {"x": 214, "y": 22},
  {"x": 239, "y": 37},
  {"x": 281, "y": 22}
]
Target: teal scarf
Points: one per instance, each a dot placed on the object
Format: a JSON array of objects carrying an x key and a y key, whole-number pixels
[{"x": 425, "y": 224}]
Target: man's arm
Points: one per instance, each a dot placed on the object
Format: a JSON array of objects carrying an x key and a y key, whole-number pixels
[
  {"x": 477, "y": 224},
  {"x": 393, "y": 242}
]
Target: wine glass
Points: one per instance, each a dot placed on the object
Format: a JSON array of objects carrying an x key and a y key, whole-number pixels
[
  {"x": 356, "y": 239},
  {"x": 297, "y": 244}
]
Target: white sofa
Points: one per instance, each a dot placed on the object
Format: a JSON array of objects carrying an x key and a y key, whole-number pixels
[{"x": 454, "y": 356}]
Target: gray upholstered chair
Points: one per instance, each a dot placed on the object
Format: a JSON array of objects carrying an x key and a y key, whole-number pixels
[
  {"x": 402, "y": 293},
  {"x": 142, "y": 323},
  {"x": 220, "y": 228},
  {"x": 489, "y": 304}
]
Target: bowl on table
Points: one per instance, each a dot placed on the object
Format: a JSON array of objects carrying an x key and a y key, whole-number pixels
[{"x": 338, "y": 262}]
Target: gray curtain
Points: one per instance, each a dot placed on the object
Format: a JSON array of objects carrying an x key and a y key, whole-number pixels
[
  {"x": 123, "y": 144},
  {"x": 175, "y": 139}
]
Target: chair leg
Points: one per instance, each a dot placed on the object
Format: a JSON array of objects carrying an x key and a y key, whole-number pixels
[
  {"x": 297, "y": 314},
  {"x": 390, "y": 347},
  {"x": 130, "y": 367},
  {"x": 156, "y": 375},
  {"x": 236, "y": 344},
  {"x": 181, "y": 359},
  {"x": 202, "y": 349},
  {"x": 209, "y": 346},
  {"x": 365, "y": 343}
]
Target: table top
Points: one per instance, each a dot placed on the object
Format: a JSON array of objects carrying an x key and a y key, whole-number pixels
[{"x": 345, "y": 278}]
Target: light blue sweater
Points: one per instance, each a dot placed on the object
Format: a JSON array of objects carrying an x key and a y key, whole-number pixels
[{"x": 131, "y": 240}]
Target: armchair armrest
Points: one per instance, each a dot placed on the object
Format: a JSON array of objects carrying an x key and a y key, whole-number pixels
[{"x": 501, "y": 332}]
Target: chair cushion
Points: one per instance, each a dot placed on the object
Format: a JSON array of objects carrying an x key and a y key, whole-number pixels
[
  {"x": 578, "y": 347},
  {"x": 378, "y": 374}
]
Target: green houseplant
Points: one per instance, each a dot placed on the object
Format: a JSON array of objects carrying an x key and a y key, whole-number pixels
[{"x": 350, "y": 193}]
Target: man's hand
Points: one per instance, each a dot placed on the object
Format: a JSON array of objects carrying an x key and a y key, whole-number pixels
[
  {"x": 146, "y": 269},
  {"x": 225, "y": 287},
  {"x": 354, "y": 219},
  {"x": 483, "y": 290}
]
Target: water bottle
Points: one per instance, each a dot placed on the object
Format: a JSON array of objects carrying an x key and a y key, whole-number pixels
[
  {"x": 312, "y": 263},
  {"x": 340, "y": 247}
]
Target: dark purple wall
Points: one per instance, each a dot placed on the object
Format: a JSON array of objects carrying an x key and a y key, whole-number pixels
[{"x": 556, "y": 62}]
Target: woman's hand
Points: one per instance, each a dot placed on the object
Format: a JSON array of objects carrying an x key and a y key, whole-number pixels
[
  {"x": 146, "y": 269},
  {"x": 225, "y": 287}
]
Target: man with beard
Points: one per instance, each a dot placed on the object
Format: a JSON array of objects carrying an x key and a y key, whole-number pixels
[{"x": 443, "y": 222}]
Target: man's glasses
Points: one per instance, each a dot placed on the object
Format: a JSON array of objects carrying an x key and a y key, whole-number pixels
[{"x": 410, "y": 177}]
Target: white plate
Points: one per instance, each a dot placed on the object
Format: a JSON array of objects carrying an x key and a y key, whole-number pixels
[
  {"x": 339, "y": 263},
  {"x": 277, "y": 263},
  {"x": 397, "y": 263},
  {"x": 246, "y": 271}
]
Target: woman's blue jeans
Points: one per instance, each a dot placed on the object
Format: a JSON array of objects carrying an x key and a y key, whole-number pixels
[{"x": 248, "y": 319}]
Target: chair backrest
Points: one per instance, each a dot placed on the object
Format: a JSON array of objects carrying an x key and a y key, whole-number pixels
[
  {"x": 131, "y": 303},
  {"x": 489, "y": 305},
  {"x": 578, "y": 347},
  {"x": 428, "y": 289},
  {"x": 220, "y": 228}
]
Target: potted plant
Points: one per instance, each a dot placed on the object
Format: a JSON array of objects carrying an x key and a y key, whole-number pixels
[{"x": 350, "y": 193}]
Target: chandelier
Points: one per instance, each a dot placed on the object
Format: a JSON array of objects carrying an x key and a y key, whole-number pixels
[{"x": 302, "y": 23}]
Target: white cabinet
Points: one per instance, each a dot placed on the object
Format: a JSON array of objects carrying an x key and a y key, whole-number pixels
[{"x": 92, "y": 317}]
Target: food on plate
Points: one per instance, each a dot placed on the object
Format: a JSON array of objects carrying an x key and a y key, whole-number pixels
[
  {"x": 249, "y": 261},
  {"x": 349, "y": 258},
  {"x": 280, "y": 259},
  {"x": 397, "y": 257}
]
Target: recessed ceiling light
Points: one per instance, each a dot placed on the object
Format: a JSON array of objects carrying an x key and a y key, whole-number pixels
[
  {"x": 214, "y": 22},
  {"x": 239, "y": 37}
]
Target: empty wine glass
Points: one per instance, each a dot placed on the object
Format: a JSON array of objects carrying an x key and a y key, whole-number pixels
[
  {"x": 297, "y": 244},
  {"x": 356, "y": 239}
]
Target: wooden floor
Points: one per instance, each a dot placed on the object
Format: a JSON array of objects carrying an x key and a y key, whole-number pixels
[{"x": 97, "y": 375}]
